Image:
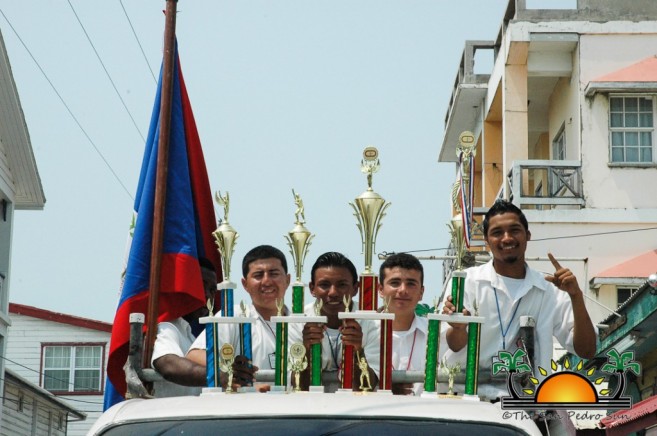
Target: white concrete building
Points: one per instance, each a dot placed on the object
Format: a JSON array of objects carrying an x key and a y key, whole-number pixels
[{"x": 564, "y": 124}]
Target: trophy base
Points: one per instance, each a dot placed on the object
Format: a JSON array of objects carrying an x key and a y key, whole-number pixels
[
  {"x": 471, "y": 397},
  {"x": 383, "y": 392},
  {"x": 277, "y": 390},
  {"x": 316, "y": 389},
  {"x": 212, "y": 391}
]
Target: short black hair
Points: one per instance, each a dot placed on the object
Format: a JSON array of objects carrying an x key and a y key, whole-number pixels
[
  {"x": 336, "y": 260},
  {"x": 500, "y": 207},
  {"x": 262, "y": 252},
  {"x": 402, "y": 260}
]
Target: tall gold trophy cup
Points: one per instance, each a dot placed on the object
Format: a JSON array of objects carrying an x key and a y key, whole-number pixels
[
  {"x": 299, "y": 240},
  {"x": 369, "y": 210},
  {"x": 225, "y": 237}
]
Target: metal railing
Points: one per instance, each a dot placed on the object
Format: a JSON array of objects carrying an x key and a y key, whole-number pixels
[{"x": 545, "y": 184}]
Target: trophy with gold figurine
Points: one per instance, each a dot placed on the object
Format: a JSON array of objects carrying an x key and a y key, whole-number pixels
[
  {"x": 460, "y": 228},
  {"x": 225, "y": 237},
  {"x": 299, "y": 240},
  {"x": 369, "y": 209}
]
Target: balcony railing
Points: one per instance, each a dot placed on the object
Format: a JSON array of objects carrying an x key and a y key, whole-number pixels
[{"x": 545, "y": 184}]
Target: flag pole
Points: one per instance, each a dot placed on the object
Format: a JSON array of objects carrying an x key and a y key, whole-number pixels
[{"x": 168, "y": 60}]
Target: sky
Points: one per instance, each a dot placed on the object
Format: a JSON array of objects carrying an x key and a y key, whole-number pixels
[{"x": 286, "y": 95}]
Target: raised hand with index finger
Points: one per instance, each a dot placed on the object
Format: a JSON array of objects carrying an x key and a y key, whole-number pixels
[{"x": 563, "y": 278}]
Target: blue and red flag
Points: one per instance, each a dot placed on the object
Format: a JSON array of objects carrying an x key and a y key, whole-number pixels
[{"x": 189, "y": 221}]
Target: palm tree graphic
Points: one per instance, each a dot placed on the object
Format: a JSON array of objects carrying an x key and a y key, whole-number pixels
[
  {"x": 619, "y": 364},
  {"x": 512, "y": 364}
]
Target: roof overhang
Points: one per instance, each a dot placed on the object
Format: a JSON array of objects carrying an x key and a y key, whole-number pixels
[
  {"x": 596, "y": 282},
  {"x": 466, "y": 110},
  {"x": 25, "y": 186},
  {"x": 607, "y": 87}
]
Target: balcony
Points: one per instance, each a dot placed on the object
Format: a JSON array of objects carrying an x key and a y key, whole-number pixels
[{"x": 544, "y": 184}]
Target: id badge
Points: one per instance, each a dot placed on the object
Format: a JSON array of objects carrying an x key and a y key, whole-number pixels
[{"x": 272, "y": 360}]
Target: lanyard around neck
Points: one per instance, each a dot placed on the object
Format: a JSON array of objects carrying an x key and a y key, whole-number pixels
[{"x": 503, "y": 330}]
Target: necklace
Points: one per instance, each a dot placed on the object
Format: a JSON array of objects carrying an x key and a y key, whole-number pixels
[
  {"x": 334, "y": 351},
  {"x": 273, "y": 335},
  {"x": 503, "y": 330},
  {"x": 410, "y": 357}
]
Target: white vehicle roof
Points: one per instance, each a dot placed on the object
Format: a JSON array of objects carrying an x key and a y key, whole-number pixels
[{"x": 278, "y": 413}]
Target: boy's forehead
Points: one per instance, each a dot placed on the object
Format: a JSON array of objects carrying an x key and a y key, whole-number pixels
[
  {"x": 398, "y": 271},
  {"x": 269, "y": 263},
  {"x": 504, "y": 219}
]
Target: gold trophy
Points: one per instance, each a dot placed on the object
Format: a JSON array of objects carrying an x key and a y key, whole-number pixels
[
  {"x": 227, "y": 356},
  {"x": 465, "y": 151},
  {"x": 369, "y": 209},
  {"x": 225, "y": 237},
  {"x": 452, "y": 371},
  {"x": 298, "y": 363},
  {"x": 298, "y": 239}
]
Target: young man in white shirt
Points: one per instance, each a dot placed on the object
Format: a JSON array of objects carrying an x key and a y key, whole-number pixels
[
  {"x": 334, "y": 277},
  {"x": 401, "y": 284},
  {"x": 265, "y": 279},
  {"x": 181, "y": 376},
  {"x": 505, "y": 288}
]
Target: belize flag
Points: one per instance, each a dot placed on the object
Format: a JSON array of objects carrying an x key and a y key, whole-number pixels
[{"x": 189, "y": 220}]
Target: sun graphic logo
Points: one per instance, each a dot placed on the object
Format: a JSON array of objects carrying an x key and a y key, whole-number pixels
[{"x": 566, "y": 389}]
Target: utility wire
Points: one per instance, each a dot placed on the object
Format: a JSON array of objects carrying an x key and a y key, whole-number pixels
[
  {"x": 584, "y": 235},
  {"x": 109, "y": 77},
  {"x": 138, "y": 42},
  {"x": 68, "y": 109}
]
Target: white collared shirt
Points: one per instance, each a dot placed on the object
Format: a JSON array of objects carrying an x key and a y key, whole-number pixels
[
  {"x": 263, "y": 338},
  {"x": 173, "y": 337},
  {"x": 332, "y": 347},
  {"x": 409, "y": 349},
  {"x": 550, "y": 307}
]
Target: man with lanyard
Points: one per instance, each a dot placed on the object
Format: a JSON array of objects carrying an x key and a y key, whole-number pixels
[
  {"x": 505, "y": 288},
  {"x": 334, "y": 277},
  {"x": 401, "y": 284},
  {"x": 265, "y": 279},
  {"x": 182, "y": 377}
]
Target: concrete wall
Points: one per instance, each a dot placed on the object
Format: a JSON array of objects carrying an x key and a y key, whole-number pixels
[{"x": 605, "y": 186}]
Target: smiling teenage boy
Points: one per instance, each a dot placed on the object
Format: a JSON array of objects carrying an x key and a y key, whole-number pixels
[
  {"x": 505, "y": 289},
  {"x": 401, "y": 283},
  {"x": 334, "y": 277},
  {"x": 265, "y": 279}
]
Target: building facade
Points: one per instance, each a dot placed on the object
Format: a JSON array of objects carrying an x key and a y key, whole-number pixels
[
  {"x": 62, "y": 354},
  {"x": 564, "y": 125},
  {"x": 20, "y": 185}
]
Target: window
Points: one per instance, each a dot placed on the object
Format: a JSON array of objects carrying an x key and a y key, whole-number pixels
[
  {"x": 624, "y": 294},
  {"x": 559, "y": 145},
  {"x": 631, "y": 128},
  {"x": 76, "y": 368}
]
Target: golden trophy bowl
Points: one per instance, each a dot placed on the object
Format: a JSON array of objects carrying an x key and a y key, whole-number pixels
[
  {"x": 225, "y": 236},
  {"x": 369, "y": 207},
  {"x": 299, "y": 238}
]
